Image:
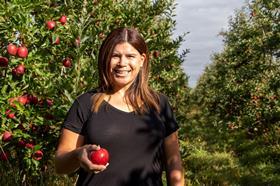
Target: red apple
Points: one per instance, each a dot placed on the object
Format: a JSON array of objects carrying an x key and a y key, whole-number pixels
[
  {"x": 12, "y": 49},
  {"x": 18, "y": 70},
  {"x": 23, "y": 100},
  {"x": 7, "y": 136},
  {"x": 156, "y": 54},
  {"x": 50, "y": 25},
  {"x": 38, "y": 155},
  {"x": 63, "y": 19},
  {"x": 100, "y": 157},
  {"x": 56, "y": 40},
  {"x": 29, "y": 145},
  {"x": 3, "y": 61},
  {"x": 22, "y": 52},
  {"x": 4, "y": 156},
  {"x": 67, "y": 62},
  {"x": 49, "y": 102},
  {"x": 21, "y": 143},
  {"x": 9, "y": 114},
  {"x": 32, "y": 99}
]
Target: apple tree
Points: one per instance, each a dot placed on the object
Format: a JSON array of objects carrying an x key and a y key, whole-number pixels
[{"x": 237, "y": 98}]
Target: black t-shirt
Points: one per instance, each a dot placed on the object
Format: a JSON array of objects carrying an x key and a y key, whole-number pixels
[{"x": 134, "y": 142}]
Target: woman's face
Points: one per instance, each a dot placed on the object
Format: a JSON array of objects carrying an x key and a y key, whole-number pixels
[{"x": 125, "y": 65}]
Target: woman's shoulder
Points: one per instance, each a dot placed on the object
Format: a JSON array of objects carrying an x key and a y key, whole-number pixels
[
  {"x": 163, "y": 98},
  {"x": 86, "y": 97}
]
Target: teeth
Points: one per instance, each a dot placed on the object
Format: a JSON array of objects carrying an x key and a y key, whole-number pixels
[{"x": 122, "y": 72}]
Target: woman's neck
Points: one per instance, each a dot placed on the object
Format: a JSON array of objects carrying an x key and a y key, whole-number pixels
[{"x": 118, "y": 100}]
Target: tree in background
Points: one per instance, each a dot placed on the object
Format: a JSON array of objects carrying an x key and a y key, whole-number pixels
[
  {"x": 236, "y": 107},
  {"x": 48, "y": 56}
]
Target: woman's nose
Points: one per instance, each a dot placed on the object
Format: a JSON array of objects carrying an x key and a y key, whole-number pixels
[{"x": 123, "y": 61}]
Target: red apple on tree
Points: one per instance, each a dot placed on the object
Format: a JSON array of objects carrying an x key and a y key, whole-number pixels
[
  {"x": 100, "y": 157},
  {"x": 7, "y": 136},
  {"x": 22, "y": 52},
  {"x": 18, "y": 70},
  {"x": 49, "y": 102},
  {"x": 29, "y": 145},
  {"x": 32, "y": 99},
  {"x": 156, "y": 54},
  {"x": 21, "y": 143},
  {"x": 23, "y": 100},
  {"x": 3, "y": 61},
  {"x": 12, "y": 49},
  {"x": 63, "y": 19},
  {"x": 50, "y": 25},
  {"x": 10, "y": 114},
  {"x": 56, "y": 40},
  {"x": 38, "y": 155},
  {"x": 4, "y": 156},
  {"x": 67, "y": 62}
]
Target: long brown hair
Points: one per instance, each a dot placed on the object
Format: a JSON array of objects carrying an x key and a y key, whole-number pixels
[{"x": 139, "y": 95}]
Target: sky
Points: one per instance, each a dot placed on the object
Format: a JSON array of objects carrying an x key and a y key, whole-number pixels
[{"x": 203, "y": 19}]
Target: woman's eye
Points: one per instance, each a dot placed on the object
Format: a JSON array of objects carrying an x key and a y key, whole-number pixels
[{"x": 115, "y": 56}]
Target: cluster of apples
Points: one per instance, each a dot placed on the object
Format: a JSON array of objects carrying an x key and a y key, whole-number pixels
[
  {"x": 13, "y": 50},
  {"x": 8, "y": 136},
  {"x": 51, "y": 24},
  {"x": 21, "y": 51}
]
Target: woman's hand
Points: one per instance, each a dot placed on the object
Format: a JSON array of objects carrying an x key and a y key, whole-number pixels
[
  {"x": 72, "y": 154},
  {"x": 84, "y": 159}
]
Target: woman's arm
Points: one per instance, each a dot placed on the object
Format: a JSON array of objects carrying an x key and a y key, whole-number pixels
[
  {"x": 72, "y": 154},
  {"x": 175, "y": 171}
]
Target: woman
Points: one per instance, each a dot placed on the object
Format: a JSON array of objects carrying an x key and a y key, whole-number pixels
[{"x": 125, "y": 116}]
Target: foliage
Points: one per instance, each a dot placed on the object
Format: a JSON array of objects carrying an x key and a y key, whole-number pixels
[
  {"x": 34, "y": 103},
  {"x": 236, "y": 101}
]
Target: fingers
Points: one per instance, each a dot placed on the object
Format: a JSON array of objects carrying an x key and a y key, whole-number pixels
[
  {"x": 92, "y": 147},
  {"x": 85, "y": 161}
]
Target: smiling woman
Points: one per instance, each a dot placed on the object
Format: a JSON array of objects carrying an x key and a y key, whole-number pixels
[{"x": 134, "y": 123}]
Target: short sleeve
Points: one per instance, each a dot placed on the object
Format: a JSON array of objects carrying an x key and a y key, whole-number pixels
[
  {"x": 78, "y": 114},
  {"x": 168, "y": 116}
]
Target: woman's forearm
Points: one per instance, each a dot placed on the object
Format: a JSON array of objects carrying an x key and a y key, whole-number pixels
[{"x": 66, "y": 162}]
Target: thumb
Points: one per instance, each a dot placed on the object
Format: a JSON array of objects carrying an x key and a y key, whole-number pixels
[{"x": 93, "y": 147}]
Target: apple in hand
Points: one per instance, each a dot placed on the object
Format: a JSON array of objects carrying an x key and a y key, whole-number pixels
[
  {"x": 12, "y": 49},
  {"x": 22, "y": 52},
  {"x": 100, "y": 157}
]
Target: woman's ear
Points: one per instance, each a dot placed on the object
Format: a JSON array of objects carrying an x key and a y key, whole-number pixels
[{"x": 143, "y": 59}]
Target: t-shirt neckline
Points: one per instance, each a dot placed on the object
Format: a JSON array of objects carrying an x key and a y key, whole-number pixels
[{"x": 116, "y": 109}]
